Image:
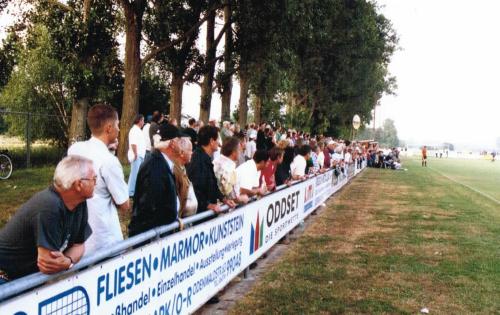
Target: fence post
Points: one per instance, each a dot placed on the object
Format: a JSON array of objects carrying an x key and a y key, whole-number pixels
[{"x": 28, "y": 141}]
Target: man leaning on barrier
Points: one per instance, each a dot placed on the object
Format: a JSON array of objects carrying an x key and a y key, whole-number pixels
[
  {"x": 201, "y": 172},
  {"x": 48, "y": 232},
  {"x": 155, "y": 201}
]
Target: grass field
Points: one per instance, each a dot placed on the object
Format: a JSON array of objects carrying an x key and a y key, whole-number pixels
[
  {"x": 414, "y": 239},
  {"x": 23, "y": 184},
  {"x": 482, "y": 175}
]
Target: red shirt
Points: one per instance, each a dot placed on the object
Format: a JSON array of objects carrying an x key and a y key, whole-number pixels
[{"x": 268, "y": 174}]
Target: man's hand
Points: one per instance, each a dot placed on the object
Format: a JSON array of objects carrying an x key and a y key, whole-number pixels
[
  {"x": 52, "y": 261},
  {"x": 230, "y": 203},
  {"x": 262, "y": 190},
  {"x": 243, "y": 198},
  {"x": 214, "y": 207}
]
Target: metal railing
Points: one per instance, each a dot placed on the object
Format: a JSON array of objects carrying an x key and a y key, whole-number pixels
[
  {"x": 26, "y": 283},
  {"x": 28, "y": 127}
]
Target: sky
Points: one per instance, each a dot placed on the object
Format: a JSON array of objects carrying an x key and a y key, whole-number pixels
[{"x": 447, "y": 71}]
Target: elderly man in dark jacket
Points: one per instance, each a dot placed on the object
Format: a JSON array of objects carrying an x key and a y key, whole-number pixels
[{"x": 155, "y": 200}]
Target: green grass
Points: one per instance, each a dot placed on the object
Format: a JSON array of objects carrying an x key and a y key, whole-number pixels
[
  {"x": 483, "y": 175},
  {"x": 20, "y": 187},
  {"x": 415, "y": 239},
  {"x": 23, "y": 184}
]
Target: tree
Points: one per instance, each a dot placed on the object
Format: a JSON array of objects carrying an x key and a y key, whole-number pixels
[
  {"x": 36, "y": 86},
  {"x": 225, "y": 78},
  {"x": 83, "y": 39},
  {"x": 258, "y": 29},
  {"x": 3, "y": 4},
  {"x": 154, "y": 94},
  {"x": 390, "y": 134},
  {"x": 9, "y": 53},
  {"x": 354, "y": 42},
  {"x": 159, "y": 44},
  {"x": 133, "y": 13},
  {"x": 208, "y": 69}
]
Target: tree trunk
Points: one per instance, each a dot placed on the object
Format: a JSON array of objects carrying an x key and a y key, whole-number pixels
[
  {"x": 78, "y": 124},
  {"x": 243, "y": 103},
  {"x": 227, "y": 84},
  {"x": 257, "y": 109},
  {"x": 206, "y": 86},
  {"x": 133, "y": 27},
  {"x": 176, "y": 88},
  {"x": 77, "y": 129}
]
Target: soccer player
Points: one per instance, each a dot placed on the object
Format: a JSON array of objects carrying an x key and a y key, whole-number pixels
[{"x": 424, "y": 156}]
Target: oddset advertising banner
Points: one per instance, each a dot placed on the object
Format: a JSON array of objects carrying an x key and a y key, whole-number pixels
[{"x": 179, "y": 273}]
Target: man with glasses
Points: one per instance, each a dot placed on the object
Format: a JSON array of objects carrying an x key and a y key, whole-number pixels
[
  {"x": 111, "y": 191},
  {"x": 48, "y": 232}
]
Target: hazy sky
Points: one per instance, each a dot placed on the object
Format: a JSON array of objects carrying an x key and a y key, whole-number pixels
[{"x": 447, "y": 70}]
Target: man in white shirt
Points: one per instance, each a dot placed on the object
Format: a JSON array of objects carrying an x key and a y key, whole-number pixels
[
  {"x": 338, "y": 155},
  {"x": 251, "y": 146},
  {"x": 299, "y": 163},
  {"x": 147, "y": 139},
  {"x": 136, "y": 152},
  {"x": 111, "y": 190},
  {"x": 248, "y": 174}
]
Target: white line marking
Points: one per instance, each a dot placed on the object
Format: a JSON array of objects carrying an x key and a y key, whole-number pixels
[{"x": 467, "y": 186}]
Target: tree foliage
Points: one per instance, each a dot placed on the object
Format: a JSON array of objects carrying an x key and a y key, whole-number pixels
[
  {"x": 386, "y": 136},
  {"x": 36, "y": 87},
  {"x": 308, "y": 64}
]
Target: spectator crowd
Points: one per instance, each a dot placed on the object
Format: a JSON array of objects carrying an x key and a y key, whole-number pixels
[{"x": 175, "y": 173}]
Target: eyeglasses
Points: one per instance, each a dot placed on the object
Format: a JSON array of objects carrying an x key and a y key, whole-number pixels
[{"x": 92, "y": 179}]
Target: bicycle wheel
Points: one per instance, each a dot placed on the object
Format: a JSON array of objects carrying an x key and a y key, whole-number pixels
[{"x": 5, "y": 166}]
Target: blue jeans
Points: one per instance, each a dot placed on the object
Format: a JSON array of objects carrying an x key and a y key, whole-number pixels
[{"x": 134, "y": 169}]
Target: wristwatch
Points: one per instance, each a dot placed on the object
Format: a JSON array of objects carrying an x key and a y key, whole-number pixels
[{"x": 71, "y": 264}]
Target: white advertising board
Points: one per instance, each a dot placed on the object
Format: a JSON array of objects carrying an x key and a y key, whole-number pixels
[{"x": 179, "y": 273}]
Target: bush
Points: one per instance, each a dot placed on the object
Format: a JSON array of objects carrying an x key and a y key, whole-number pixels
[{"x": 40, "y": 156}]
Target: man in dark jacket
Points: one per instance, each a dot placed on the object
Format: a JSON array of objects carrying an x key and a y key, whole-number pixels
[
  {"x": 191, "y": 132},
  {"x": 155, "y": 199},
  {"x": 201, "y": 171},
  {"x": 261, "y": 137}
]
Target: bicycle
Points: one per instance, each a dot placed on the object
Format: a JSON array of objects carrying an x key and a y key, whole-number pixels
[{"x": 5, "y": 164}]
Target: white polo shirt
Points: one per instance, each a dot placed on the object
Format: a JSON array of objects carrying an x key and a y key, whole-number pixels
[
  {"x": 337, "y": 157},
  {"x": 136, "y": 137},
  {"x": 298, "y": 166},
  {"x": 250, "y": 149},
  {"x": 110, "y": 189},
  {"x": 145, "y": 134},
  {"x": 247, "y": 175},
  {"x": 348, "y": 158}
]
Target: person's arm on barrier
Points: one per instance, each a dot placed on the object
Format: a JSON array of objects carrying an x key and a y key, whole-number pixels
[
  {"x": 229, "y": 202},
  {"x": 75, "y": 252},
  {"x": 257, "y": 191},
  {"x": 52, "y": 261}
]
